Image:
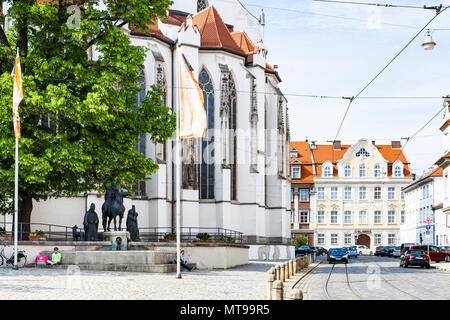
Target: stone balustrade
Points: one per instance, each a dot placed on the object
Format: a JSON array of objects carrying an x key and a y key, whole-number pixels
[{"x": 279, "y": 276}]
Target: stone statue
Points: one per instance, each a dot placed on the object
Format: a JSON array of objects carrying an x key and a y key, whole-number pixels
[
  {"x": 90, "y": 224},
  {"x": 113, "y": 205},
  {"x": 132, "y": 225}
]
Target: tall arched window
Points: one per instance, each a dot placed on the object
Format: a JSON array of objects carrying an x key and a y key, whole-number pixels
[
  {"x": 207, "y": 175},
  {"x": 232, "y": 98},
  {"x": 161, "y": 83},
  {"x": 202, "y": 4},
  {"x": 139, "y": 188}
]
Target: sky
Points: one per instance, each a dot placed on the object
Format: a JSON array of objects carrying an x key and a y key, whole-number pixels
[{"x": 336, "y": 49}]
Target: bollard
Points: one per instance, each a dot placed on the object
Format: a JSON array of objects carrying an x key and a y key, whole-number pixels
[
  {"x": 299, "y": 265},
  {"x": 294, "y": 265},
  {"x": 295, "y": 294},
  {"x": 286, "y": 270},
  {"x": 277, "y": 272},
  {"x": 291, "y": 269},
  {"x": 282, "y": 274},
  {"x": 277, "y": 290},
  {"x": 270, "y": 280}
]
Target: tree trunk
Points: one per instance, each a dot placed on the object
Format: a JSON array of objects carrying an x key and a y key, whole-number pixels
[{"x": 25, "y": 208}]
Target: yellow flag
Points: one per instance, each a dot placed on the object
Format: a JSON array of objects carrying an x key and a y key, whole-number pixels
[
  {"x": 193, "y": 114},
  {"x": 17, "y": 95}
]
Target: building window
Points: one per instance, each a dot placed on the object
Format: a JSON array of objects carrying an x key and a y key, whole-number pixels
[
  {"x": 362, "y": 153},
  {"x": 391, "y": 193},
  {"x": 362, "y": 217},
  {"x": 334, "y": 193},
  {"x": 295, "y": 172},
  {"x": 362, "y": 193},
  {"x": 334, "y": 217},
  {"x": 402, "y": 195},
  {"x": 347, "y": 171},
  {"x": 348, "y": 193},
  {"x": 327, "y": 171},
  {"x": 362, "y": 170},
  {"x": 377, "y": 193},
  {"x": 334, "y": 238},
  {"x": 161, "y": 83},
  {"x": 294, "y": 154},
  {"x": 320, "y": 238},
  {"x": 207, "y": 175},
  {"x": 304, "y": 217},
  {"x": 304, "y": 195},
  {"x": 348, "y": 238},
  {"x": 391, "y": 217},
  {"x": 254, "y": 118},
  {"x": 377, "y": 239},
  {"x": 391, "y": 238},
  {"x": 377, "y": 217},
  {"x": 397, "y": 171},
  {"x": 320, "y": 193},
  {"x": 403, "y": 217},
  {"x": 377, "y": 170},
  {"x": 347, "y": 217},
  {"x": 321, "y": 217}
]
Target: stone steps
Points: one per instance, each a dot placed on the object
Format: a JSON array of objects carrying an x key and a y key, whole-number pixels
[{"x": 150, "y": 268}]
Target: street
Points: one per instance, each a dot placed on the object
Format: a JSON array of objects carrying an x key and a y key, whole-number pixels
[{"x": 374, "y": 278}]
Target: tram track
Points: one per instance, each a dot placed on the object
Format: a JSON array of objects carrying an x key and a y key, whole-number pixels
[{"x": 349, "y": 286}]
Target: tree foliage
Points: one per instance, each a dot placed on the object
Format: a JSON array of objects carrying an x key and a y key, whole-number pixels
[
  {"x": 300, "y": 241},
  {"x": 94, "y": 122}
]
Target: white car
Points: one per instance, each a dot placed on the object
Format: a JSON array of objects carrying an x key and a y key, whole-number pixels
[{"x": 363, "y": 250}]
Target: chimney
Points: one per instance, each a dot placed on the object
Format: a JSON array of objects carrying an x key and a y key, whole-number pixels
[
  {"x": 313, "y": 145},
  {"x": 337, "y": 145},
  {"x": 396, "y": 145},
  {"x": 373, "y": 142}
]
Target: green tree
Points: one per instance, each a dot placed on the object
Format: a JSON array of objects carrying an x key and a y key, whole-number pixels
[
  {"x": 300, "y": 241},
  {"x": 90, "y": 104}
]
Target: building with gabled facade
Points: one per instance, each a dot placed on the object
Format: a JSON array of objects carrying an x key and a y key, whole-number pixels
[
  {"x": 357, "y": 197},
  {"x": 237, "y": 176}
]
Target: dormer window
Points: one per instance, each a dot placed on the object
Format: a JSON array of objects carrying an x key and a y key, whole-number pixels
[
  {"x": 398, "y": 169},
  {"x": 295, "y": 172},
  {"x": 327, "y": 169},
  {"x": 347, "y": 171},
  {"x": 362, "y": 153},
  {"x": 294, "y": 154}
]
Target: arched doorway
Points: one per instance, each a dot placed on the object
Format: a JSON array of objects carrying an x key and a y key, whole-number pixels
[{"x": 363, "y": 239}]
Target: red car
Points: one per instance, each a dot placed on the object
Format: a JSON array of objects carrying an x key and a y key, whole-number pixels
[{"x": 435, "y": 253}]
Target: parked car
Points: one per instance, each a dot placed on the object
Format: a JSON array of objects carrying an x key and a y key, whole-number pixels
[
  {"x": 387, "y": 251},
  {"x": 378, "y": 251},
  {"x": 363, "y": 250},
  {"x": 303, "y": 250},
  {"x": 434, "y": 252},
  {"x": 446, "y": 250},
  {"x": 397, "y": 252},
  {"x": 352, "y": 252},
  {"x": 415, "y": 257},
  {"x": 403, "y": 245},
  {"x": 321, "y": 251},
  {"x": 337, "y": 254}
]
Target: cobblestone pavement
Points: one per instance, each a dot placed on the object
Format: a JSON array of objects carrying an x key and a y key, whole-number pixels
[
  {"x": 248, "y": 282},
  {"x": 369, "y": 278}
]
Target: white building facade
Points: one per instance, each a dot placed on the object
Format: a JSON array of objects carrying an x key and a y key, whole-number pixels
[
  {"x": 237, "y": 176},
  {"x": 423, "y": 200}
]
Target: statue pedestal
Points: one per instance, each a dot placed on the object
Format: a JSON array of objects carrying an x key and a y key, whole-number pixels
[{"x": 118, "y": 239}]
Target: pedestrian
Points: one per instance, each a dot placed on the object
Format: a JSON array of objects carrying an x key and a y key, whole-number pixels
[
  {"x": 183, "y": 261},
  {"x": 56, "y": 257}
]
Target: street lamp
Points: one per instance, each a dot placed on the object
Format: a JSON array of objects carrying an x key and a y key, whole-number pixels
[{"x": 428, "y": 44}]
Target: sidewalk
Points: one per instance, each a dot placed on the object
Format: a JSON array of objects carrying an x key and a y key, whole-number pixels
[{"x": 444, "y": 266}]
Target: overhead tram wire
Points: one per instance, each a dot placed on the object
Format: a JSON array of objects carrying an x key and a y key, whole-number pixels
[
  {"x": 351, "y": 99},
  {"x": 437, "y": 8}
]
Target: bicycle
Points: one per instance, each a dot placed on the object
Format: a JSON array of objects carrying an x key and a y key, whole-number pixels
[{"x": 21, "y": 258}]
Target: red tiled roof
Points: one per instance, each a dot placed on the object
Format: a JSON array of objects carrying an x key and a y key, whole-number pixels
[
  {"x": 214, "y": 32},
  {"x": 176, "y": 19},
  {"x": 152, "y": 30},
  {"x": 304, "y": 156}
]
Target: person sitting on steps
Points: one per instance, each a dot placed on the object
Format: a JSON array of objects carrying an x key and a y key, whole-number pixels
[{"x": 56, "y": 257}]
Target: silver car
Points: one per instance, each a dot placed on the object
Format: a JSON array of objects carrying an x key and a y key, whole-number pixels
[{"x": 397, "y": 252}]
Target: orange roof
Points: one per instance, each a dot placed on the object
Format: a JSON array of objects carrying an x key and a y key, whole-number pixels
[
  {"x": 214, "y": 32},
  {"x": 304, "y": 156},
  {"x": 324, "y": 153},
  {"x": 438, "y": 172},
  {"x": 244, "y": 42},
  {"x": 152, "y": 30},
  {"x": 176, "y": 19}
]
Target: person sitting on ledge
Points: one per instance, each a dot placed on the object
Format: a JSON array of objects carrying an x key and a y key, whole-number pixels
[
  {"x": 56, "y": 257},
  {"x": 183, "y": 262}
]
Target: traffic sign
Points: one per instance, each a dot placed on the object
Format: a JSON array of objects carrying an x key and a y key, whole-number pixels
[
  {"x": 428, "y": 220},
  {"x": 427, "y": 233},
  {"x": 428, "y": 227}
]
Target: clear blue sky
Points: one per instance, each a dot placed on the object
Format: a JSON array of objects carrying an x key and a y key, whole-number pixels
[{"x": 336, "y": 49}]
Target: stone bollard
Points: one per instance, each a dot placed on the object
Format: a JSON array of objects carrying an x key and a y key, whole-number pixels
[
  {"x": 277, "y": 290},
  {"x": 294, "y": 265},
  {"x": 286, "y": 270},
  {"x": 299, "y": 266},
  {"x": 282, "y": 274},
  {"x": 277, "y": 272},
  {"x": 270, "y": 280},
  {"x": 295, "y": 294},
  {"x": 291, "y": 269}
]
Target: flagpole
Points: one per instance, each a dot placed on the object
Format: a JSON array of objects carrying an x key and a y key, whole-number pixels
[
  {"x": 178, "y": 173},
  {"x": 16, "y": 203}
]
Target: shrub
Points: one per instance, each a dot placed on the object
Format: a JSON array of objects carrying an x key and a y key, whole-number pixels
[{"x": 300, "y": 241}]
